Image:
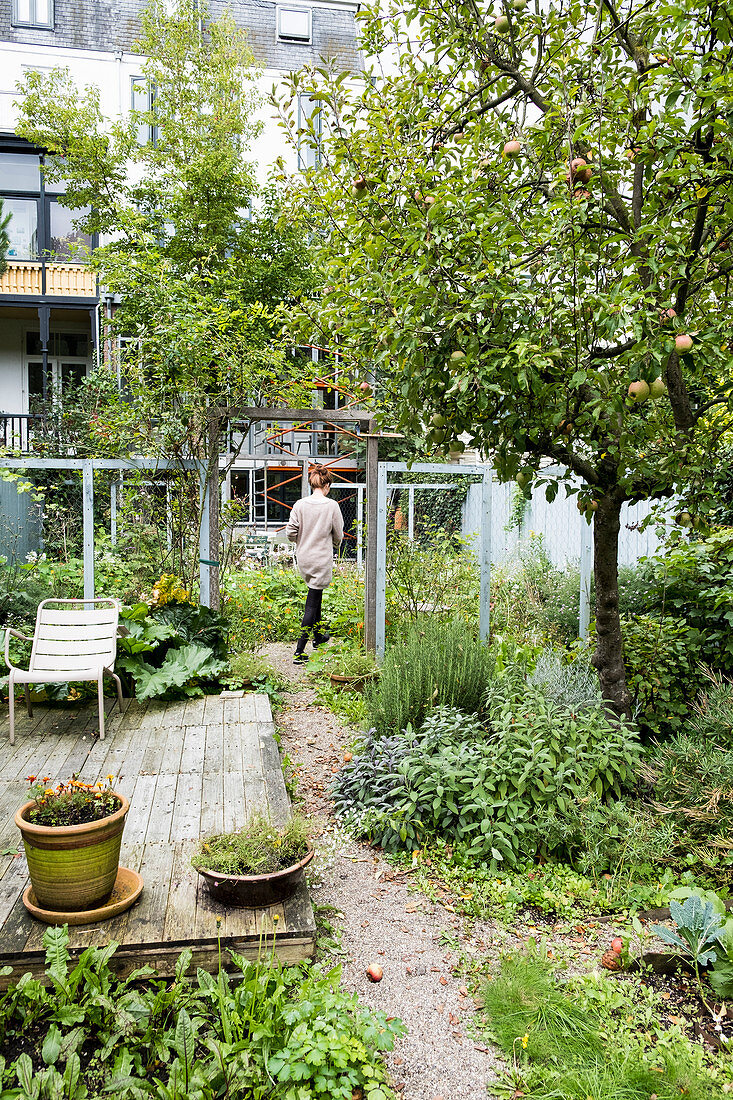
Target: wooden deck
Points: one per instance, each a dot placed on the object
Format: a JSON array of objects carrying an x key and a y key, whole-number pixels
[{"x": 189, "y": 769}]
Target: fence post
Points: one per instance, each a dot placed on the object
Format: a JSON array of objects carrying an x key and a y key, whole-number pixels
[
  {"x": 370, "y": 580},
  {"x": 359, "y": 526},
  {"x": 380, "y": 537},
  {"x": 204, "y": 538},
  {"x": 411, "y": 514},
  {"x": 586, "y": 562},
  {"x": 484, "y": 621},
  {"x": 87, "y": 473}
]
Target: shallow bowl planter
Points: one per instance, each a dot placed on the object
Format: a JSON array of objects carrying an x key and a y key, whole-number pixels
[
  {"x": 255, "y": 891},
  {"x": 73, "y": 867},
  {"x": 352, "y": 683}
]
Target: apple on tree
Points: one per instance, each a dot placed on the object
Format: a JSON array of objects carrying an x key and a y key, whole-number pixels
[
  {"x": 683, "y": 342},
  {"x": 639, "y": 391}
]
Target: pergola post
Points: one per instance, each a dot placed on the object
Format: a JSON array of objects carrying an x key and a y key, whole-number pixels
[
  {"x": 87, "y": 473},
  {"x": 370, "y": 581}
]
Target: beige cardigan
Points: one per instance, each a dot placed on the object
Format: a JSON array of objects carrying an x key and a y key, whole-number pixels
[{"x": 316, "y": 527}]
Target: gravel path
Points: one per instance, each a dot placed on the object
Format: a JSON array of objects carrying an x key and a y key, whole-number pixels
[{"x": 380, "y": 920}]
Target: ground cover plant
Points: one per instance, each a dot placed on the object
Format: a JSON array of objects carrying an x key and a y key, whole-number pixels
[
  {"x": 586, "y": 1037},
  {"x": 267, "y": 1032}
]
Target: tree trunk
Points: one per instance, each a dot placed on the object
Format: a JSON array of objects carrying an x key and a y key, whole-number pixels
[{"x": 608, "y": 657}]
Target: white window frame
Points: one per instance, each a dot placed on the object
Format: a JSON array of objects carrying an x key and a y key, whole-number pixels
[
  {"x": 41, "y": 24},
  {"x": 282, "y": 35},
  {"x": 152, "y": 131},
  {"x": 308, "y": 157}
]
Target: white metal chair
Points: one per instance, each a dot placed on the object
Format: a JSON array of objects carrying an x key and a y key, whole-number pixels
[{"x": 73, "y": 640}]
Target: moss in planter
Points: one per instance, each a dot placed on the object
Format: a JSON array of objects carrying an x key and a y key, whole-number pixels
[{"x": 260, "y": 848}]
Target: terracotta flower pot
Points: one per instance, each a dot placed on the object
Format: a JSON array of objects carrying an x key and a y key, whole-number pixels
[
  {"x": 253, "y": 891},
  {"x": 73, "y": 867},
  {"x": 352, "y": 683}
]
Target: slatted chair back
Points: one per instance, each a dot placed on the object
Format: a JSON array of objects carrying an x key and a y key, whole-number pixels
[{"x": 73, "y": 636}]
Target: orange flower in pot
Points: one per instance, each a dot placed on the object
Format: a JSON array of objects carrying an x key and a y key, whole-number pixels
[{"x": 72, "y": 835}]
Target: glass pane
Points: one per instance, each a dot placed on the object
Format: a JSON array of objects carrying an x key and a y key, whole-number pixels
[
  {"x": 73, "y": 343},
  {"x": 44, "y": 13},
  {"x": 140, "y": 101},
  {"x": 67, "y": 243},
  {"x": 71, "y": 376},
  {"x": 19, "y": 172},
  {"x": 35, "y": 384},
  {"x": 23, "y": 228},
  {"x": 33, "y": 343},
  {"x": 295, "y": 23},
  {"x": 21, "y": 11},
  {"x": 240, "y": 485}
]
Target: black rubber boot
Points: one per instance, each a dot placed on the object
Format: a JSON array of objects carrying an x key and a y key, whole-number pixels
[{"x": 300, "y": 656}]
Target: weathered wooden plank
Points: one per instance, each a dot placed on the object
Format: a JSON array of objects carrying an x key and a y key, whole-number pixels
[
  {"x": 248, "y": 707},
  {"x": 163, "y": 957},
  {"x": 212, "y": 802},
  {"x": 235, "y": 806},
  {"x": 193, "y": 714},
  {"x": 194, "y": 746},
  {"x": 277, "y": 797},
  {"x": 142, "y": 798},
  {"x": 214, "y": 748},
  {"x": 12, "y": 885},
  {"x": 186, "y": 819},
  {"x": 171, "y": 760},
  {"x": 210, "y": 918},
  {"x": 15, "y": 930},
  {"x": 255, "y": 793},
  {"x": 181, "y": 909},
  {"x": 153, "y": 755},
  {"x": 299, "y": 917},
  {"x": 147, "y": 919},
  {"x": 232, "y": 758},
  {"x": 161, "y": 815},
  {"x": 230, "y": 710},
  {"x": 213, "y": 710}
]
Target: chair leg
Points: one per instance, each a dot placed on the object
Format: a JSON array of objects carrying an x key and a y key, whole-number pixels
[
  {"x": 28, "y": 704},
  {"x": 11, "y": 702},
  {"x": 100, "y": 697},
  {"x": 117, "y": 680}
]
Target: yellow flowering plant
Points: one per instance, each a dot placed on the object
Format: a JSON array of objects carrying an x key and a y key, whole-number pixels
[{"x": 71, "y": 802}]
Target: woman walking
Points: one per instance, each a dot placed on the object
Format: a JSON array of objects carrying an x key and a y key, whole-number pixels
[{"x": 316, "y": 527}]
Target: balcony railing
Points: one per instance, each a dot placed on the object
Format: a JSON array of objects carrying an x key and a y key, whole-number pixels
[
  {"x": 34, "y": 433},
  {"x": 62, "y": 280}
]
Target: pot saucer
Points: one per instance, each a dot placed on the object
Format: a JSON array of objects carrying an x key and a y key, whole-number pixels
[{"x": 125, "y": 892}]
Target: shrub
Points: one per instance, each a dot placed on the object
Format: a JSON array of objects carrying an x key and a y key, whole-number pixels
[
  {"x": 662, "y": 675},
  {"x": 691, "y": 579},
  {"x": 692, "y": 784},
  {"x": 571, "y": 686},
  {"x": 712, "y": 712},
  {"x": 481, "y": 786},
  {"x": 438, "y": 664}
]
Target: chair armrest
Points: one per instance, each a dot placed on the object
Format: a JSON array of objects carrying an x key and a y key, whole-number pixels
[{"x": 16, "y": 634}]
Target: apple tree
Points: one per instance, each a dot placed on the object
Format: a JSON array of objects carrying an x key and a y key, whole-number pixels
[{"x": 526, "y": 221}]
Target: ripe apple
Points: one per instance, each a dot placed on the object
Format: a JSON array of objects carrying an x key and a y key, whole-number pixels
[
  {"x": 639, "y": 391},
  {"x": 519, "y": 5},
  {"x": 657, "y": 389},
  {"x": 365, "y": 387},
  {"x": 523, "y": 478},
  {"x": 683, "y": 342},
  {"x": 375, "y": 972},
  {"x": 501, "y": 23},
  {"x": 512, "y": 149},
  {"x": 617, "y": 945},
  {"x": 667, "y": 314},
  {"x": 457, "y": 354}
]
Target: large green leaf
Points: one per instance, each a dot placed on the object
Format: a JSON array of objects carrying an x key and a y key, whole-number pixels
[{"x": 181, "y": 666}]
